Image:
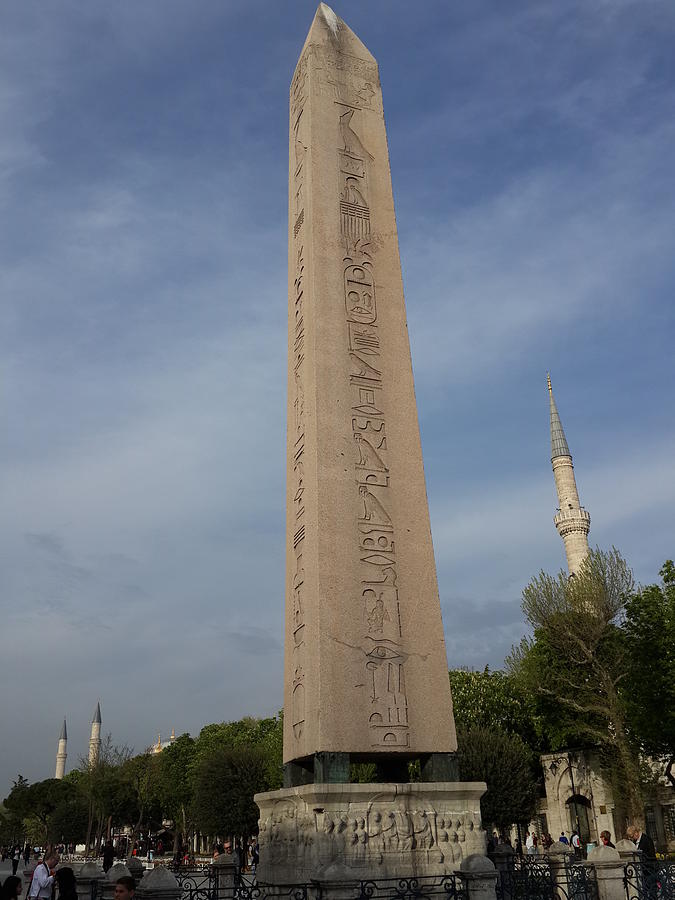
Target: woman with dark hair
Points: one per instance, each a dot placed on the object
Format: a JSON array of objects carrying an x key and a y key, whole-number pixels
[
  {"x": 65, "y": 879},
  {"x": 11, "y": 888}
]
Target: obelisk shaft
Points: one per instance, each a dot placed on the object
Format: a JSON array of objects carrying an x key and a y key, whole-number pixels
[{"x": 365, "y": 668}]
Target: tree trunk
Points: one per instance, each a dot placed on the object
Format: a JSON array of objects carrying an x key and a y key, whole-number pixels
[{"x": 90, "y": 823}]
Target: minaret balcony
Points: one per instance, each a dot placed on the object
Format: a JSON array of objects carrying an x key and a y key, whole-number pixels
[{"x": 569, "y": 520}]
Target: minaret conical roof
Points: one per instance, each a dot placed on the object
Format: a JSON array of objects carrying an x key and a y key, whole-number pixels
[
  {"x": 64, "y": 733},
  {"x": 559, "y": 445},
  {"x": 97, "y": 715}
]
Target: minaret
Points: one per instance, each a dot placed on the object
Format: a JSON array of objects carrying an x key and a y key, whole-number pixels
[
  {"x": 572, "y": 520},
  {"x": 61, "y": 753},
  {"x": 95, "y": 737}
]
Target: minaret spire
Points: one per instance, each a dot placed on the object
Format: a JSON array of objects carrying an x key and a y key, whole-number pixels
[
  {"x": 61, "y": 752},
  {"x": 95, "y": 736},
  {"x": 572, "y": 520}
]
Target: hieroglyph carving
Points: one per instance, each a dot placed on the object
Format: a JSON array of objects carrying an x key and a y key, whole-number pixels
[
  {"x": 299, "y": 485},
  {"x": 384, "y": 660}
]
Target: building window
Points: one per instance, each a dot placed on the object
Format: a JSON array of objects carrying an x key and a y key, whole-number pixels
[{"x": 669, "y": 821}]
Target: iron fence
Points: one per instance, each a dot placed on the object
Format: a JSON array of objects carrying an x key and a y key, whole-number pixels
[
  {"x": 533, "y": 878},
  {"x": 649, "y": 880},
  {"x": 196, "y": 882}
]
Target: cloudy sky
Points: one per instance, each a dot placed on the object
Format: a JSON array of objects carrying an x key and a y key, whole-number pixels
[{"x": 143, "y": 187}]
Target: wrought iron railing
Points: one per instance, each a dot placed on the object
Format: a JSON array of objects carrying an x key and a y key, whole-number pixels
[{"x": 649, "y": 880}]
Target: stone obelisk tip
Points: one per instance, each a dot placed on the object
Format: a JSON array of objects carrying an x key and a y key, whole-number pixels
[{"x": 328, "y": 28}]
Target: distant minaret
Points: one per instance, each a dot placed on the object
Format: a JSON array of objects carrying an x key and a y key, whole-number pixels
[
  {"x": 95, "y": 737},
  {"x": 61, "y": 753},
  {"x": 572, "y": 520}
]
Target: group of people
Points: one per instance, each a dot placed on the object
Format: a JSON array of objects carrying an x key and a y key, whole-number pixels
[
  {"x": 50, "y": 883},
  {"x": 246, "y": 858},
  {"x": 535, "y": 844},
  {"x": 15, "y": 853}
]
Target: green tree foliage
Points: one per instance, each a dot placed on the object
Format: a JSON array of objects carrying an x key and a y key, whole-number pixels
[
  {"x": 108, "y": 797},
  {"x": 140, "y": 775},
  {"x": 267, "y": 734},
  {"x": 577, "y": 663},
  {"x": 649, "y": 691},
  {"x": 175, "y": 786},
  {"x": 50, "y": 810},
  {"x": 496, "y": 700},
  {"x": 225, "y": 782},
  {"x": 503, "y": 761}
]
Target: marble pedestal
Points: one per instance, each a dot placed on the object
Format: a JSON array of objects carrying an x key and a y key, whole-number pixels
[{"x": 350, "y": 832}]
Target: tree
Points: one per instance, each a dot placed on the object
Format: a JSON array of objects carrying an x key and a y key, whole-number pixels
[
  {"x": 496, "y": 700},
  {"x": 141, "y": 776},
  {"x": 247, "y": 732},
  {"x": 503, "y": 761},
  {"x": 576, "y": 664},
  {"x": 175, "y": 786},
  {"x": 106, "y": 794},
  {"x": 225, "y": 783},
  {"x": 51, "y": 810},
  {"x": 649, "y": 629}
]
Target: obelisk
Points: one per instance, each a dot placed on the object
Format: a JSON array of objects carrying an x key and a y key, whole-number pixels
[{"x": 366, "y": 675}]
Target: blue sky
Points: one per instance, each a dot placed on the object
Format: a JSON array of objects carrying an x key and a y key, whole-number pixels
[{"x": 143, "y": 183}]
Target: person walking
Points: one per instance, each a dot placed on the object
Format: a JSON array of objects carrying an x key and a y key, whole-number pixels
[{"x": 16, "y": 858}]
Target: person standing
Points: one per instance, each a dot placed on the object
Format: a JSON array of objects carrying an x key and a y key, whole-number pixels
[
  {"x": 606, "y": 839},
  {"x": 108, "y": 856},
  {"x": 643, "y": 843},
  {"x": 529, "y": 844},
  {"x": 576, "y": 844},
  {"x": 16, "y": 858},
  {"x": 43, "y": 877}
]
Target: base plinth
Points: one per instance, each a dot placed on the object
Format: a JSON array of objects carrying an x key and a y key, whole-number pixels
[{"x": 340, "y": 832}]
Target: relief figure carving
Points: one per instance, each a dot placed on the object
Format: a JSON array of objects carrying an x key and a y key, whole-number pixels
[
  {"x": 424, "y": 838},
  {"x": 377, "y": 612},
  {"x": 382, "y": 612}
]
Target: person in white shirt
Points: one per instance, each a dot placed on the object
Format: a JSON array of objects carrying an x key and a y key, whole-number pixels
[
  {"x": 529, "y": 843},
  {"x": 43, "y": 877}
]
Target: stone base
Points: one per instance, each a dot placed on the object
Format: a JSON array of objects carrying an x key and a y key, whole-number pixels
[{"x": 348, "y": 832}]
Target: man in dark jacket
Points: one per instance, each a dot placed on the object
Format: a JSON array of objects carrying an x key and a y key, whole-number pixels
[{"x": 108, "y": 856}]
